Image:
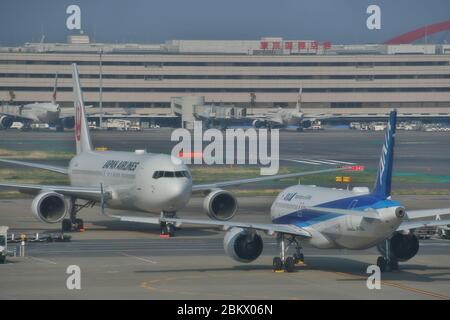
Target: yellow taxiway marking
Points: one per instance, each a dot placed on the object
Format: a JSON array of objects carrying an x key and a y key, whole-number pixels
[{"x": 400, "y": 286}]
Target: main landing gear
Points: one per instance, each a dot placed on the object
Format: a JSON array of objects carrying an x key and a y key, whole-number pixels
[
  {"x": 387, "y": 262},
  {"x": 288, "y": 263},
  {"x": 73, "y": 223},
  {"x": 167, "y": 228}
]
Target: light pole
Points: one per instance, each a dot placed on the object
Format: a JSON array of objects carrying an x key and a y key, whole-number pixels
[{"x": 101, "y": 91}]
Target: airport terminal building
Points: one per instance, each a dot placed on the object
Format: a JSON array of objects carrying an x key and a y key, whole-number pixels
[{"x": 254, "y": 74}]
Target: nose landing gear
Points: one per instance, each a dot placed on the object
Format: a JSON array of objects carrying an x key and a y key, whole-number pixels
[
  {"x": 167, "y": 229},
  {"x": 283, "y": 263}
]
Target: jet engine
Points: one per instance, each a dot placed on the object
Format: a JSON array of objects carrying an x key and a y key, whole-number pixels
[
  {"x": 306, "y": 123},
  {"x": 403, "y": 246},
  {"x": 50, "y": 207},
  {"x": 257, "y": 124},
  {"x": 242, "y": 245},
  {"x": 68, "y": 123},
  {"x": 5, "y": 122},
  {"x": 220, "y": 205}
]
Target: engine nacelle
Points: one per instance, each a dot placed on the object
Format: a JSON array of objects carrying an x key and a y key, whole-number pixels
[
  {"x": 50, "y": 207},
  {"x": 403, "y": 246},
  {"x": 68, "y": 123},
  {"x": 306, "y": 123},
  {"x": 242, "y": 245},
  {"x": 220, "y": 205},
  {"x": 6, "y": 122},
  {"x": 257, "y": 124}
]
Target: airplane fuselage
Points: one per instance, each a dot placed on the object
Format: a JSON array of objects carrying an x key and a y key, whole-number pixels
[
  {"x": 130, "y": 181},
  {"x": 35, "y": 112},
  {"x": 331, "y": 230}
]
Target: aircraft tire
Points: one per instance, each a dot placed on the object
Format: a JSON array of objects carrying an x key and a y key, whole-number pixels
[
  {"x": 277, "y": 264},
  {"x": 299, "y": 257},
  {"x": 66, "y": 225},
  {"x": 79, "y": 224},
  {"x": 393, "y": 264},
  {"x": 382, "y": 264},
  {"x": 289, "y": 264}
]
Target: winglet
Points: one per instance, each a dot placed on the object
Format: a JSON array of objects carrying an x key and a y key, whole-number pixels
[
  {"x": 382, "y": 186},
  {"x": 82, "y": 137}
]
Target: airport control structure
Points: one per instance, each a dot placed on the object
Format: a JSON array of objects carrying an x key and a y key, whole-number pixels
[{"x": 146, "y": 80}]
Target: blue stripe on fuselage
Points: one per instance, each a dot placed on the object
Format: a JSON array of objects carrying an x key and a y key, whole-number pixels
[{"x": 305, "y": 217}]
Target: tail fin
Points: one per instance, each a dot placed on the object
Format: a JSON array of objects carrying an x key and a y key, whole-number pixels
[
  {"x": 384, "y": 177},
  {"x": 82, "y": 138},
  {"x": 299, "y": 99},
  {"x": 55, "y": 88}
]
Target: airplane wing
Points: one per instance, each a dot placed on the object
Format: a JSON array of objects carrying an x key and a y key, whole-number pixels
[
  {"x": 92, "y": 193},
  {"x": 37, "y": 165},
  {"x": 269, "y": 228},
  {"x": 414, "y": 224},
  {"x": 419, "y": 214},
  {"x": 17, "y": 117},
  {"x": 425, "y": 218},
  {"x": 210, "y": 186}
]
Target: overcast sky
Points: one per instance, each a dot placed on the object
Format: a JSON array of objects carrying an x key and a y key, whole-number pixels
[{"x": 154, "y": 21}]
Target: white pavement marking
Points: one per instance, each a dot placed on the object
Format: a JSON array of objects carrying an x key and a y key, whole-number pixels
[
  {"x": 138, "y": 258},
  {"x": 42, "y": 260}
]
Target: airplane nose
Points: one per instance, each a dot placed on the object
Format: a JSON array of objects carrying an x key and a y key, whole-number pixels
[{"x": 178, "y": 193}]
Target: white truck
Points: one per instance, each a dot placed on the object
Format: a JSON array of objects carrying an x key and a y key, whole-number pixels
[
  {"x": 3, "y": 244},
  {"x": 117, "y": 124},
  {"x": 444, "y": 232}
]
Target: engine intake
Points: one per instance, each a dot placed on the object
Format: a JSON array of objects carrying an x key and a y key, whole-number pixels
[
  {"x": 69, "y": 122},
  {"x": 306, "y": 123},
  {"x": 403, "y": 246},
  {"x": 6, "y": 122},
  {"x": 220, "y": 205},
  {"x": 257, "y": 124},
  {"x": 242, "y": 245},
  {"x": 50, "y": 207}
]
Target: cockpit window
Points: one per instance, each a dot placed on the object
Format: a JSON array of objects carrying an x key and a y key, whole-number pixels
[{"x": 171, "y": 174}]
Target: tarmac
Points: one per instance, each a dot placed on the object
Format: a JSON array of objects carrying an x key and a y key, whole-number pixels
[{"x": 121, "y": 260}]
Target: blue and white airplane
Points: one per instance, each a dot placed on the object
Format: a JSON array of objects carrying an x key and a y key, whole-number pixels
[{"x": 332, "y": 219}]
